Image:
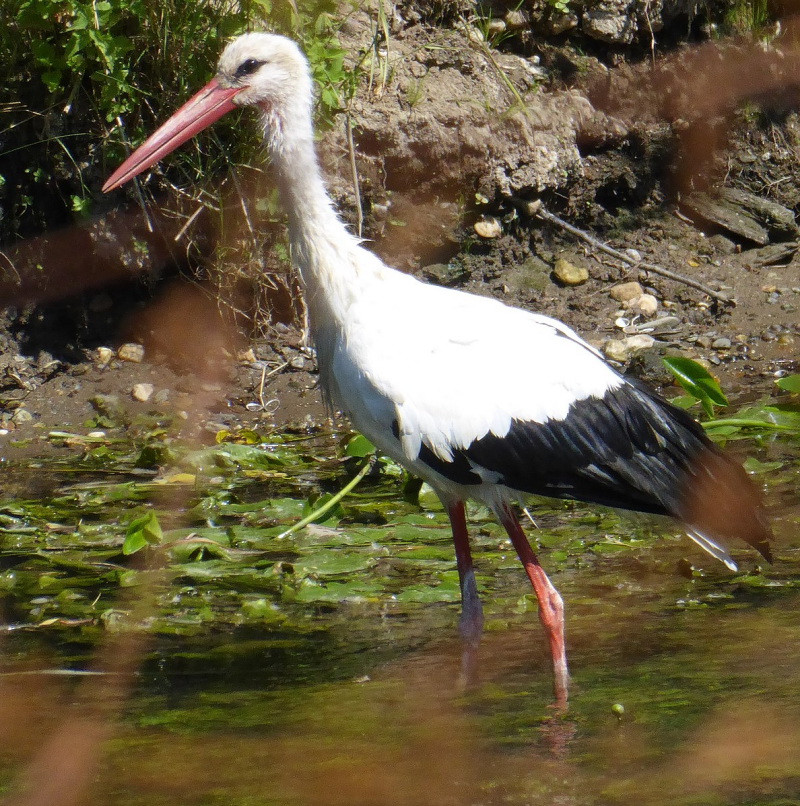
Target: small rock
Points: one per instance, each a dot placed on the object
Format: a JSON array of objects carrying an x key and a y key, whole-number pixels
[
  {"x": 488, "y": 227},
  {"x": 298, "y": 362},
  {"x": 615, "y": 350},
  {"x": 142, "y": 392},
  {"x": 622, "y": 349},
  {"x": 641, "y": 341},
  {"x": 161, "y": 396},
  {"x": 21, "y": 416},
  {"x": 704, "y": 341},
  {"x": 103, "y": 356},
  {"x": 97, "y": 435},
  {"x": 615, "y": 26},
  {"x": 634, "y": 254},
  {"x": 569, "y": 274},
  {"x": 516, "y": 19},
  {"x": 626, "y": 292},
  {"x": 558, "y": 23},
  {"x": 721, "y": 344},
  {"x": 247, "y": 356},
  {"x": 131, "y": 352},
  {"x": 646, "y": 305}
]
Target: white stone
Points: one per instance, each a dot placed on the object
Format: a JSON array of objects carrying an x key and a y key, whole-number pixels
[
  {"x": 142, "y": 392},
  {"x": 488, "y": 227}
]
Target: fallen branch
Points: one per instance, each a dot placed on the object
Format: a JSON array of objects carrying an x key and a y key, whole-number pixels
[{"x": 537, "y": 210}]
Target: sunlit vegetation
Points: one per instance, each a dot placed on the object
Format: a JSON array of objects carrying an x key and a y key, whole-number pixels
[{"x": 92, "y": 78}]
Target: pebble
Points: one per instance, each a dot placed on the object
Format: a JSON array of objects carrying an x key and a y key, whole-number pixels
[
  {"x": 516, "y": 20},
  {"x": 614, "y": 349},
  {"x": 721, "y": 344},
  {"x": 142, "y": 392},
  {"x": 704, "y": 341},
  {"x": 131, "y": 352},
  {"x": 103, "y": 356},
  {"x": 568, "y": 273},
  {"x": 646, "y": 305},
  {"x": 626, "y": 292},
  {"x": 488, "y": 227},
  {"x": 622, "y": 349},
  {"x": 641, "y": 341},
  {"x": 21, "y": 416},
  {"x": 247, "y": 356}
]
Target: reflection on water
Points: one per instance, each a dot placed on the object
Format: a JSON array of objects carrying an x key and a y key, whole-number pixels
[{"x": 685, "y": 684}]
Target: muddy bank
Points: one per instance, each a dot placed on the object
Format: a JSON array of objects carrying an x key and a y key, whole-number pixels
[{"x": 459, "y": 135}]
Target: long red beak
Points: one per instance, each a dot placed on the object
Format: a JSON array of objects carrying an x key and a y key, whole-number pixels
[{"x": 200, "y": 111}]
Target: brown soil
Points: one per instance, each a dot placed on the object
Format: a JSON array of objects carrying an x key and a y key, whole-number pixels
[{"x": 427, "y": 143}]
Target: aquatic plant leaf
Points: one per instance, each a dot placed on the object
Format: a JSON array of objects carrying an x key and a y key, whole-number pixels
[
  {"x": 446, "y": 591},
  {"x": 356, "y": 590},
  {"x": 332, "y": 563},
  {"x": 143, "y": 531},
  {"x": 791, "y": 383},
  {"x": 696, "y": 380},
  {"x": 359, "y": 447},
  {"x": 753, "y": 465}
]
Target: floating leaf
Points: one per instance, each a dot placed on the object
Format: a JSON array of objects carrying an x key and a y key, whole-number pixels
[
  {"x": 791, "y": 383},
  {"x": 143, "y": 531},
  {"x": 359, "y": 446}
]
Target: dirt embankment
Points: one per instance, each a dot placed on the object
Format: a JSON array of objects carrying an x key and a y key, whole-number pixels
[{"x": 460, "y": 129}]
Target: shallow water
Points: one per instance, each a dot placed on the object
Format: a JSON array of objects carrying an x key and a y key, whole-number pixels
[{"x": 238, "y": 666}]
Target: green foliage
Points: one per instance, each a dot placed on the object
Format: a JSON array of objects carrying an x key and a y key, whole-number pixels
[
  {"x": 560, "y": 6},
  {"x": 142, "y": 531},
  {"x": 791, "y": 383},
  {"x": 747, "y": 16},
  {"x": 89, "y": 72},
  {"x": 697, "y": 382}
]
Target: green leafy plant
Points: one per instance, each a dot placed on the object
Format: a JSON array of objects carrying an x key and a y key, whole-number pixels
[
  {"x": 700, "y": 386},
  {"x": 559, "y": 6},
  {"x": 770, "y": 416},
  {"x": 142, "y": 531}
]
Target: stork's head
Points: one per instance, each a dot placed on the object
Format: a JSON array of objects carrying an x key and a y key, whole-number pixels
[
  {"x": 265, "y": 70},
  {"x": 257, "y": 69}
]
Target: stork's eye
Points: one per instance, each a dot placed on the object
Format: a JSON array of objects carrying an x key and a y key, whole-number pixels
[{"x": 248, "y": 67}]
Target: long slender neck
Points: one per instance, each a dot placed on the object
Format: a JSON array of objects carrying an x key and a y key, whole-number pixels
[{"x": 327, "y": 255}]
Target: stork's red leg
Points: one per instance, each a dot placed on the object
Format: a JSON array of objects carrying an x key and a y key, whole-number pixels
[
  {"x": 551, "y": 605},
  {"x": 470, "y": 624}
]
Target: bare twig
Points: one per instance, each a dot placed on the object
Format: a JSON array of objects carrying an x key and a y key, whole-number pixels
[
  {"x": 537, "y": 210},
  {"x": 354, "y": 168}
]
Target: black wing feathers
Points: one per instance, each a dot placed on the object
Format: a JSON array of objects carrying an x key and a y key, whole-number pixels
[{"x": 627, "y": 449}]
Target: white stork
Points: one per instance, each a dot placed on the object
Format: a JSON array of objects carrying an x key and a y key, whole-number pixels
[{"x": 480, "y": 399}]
